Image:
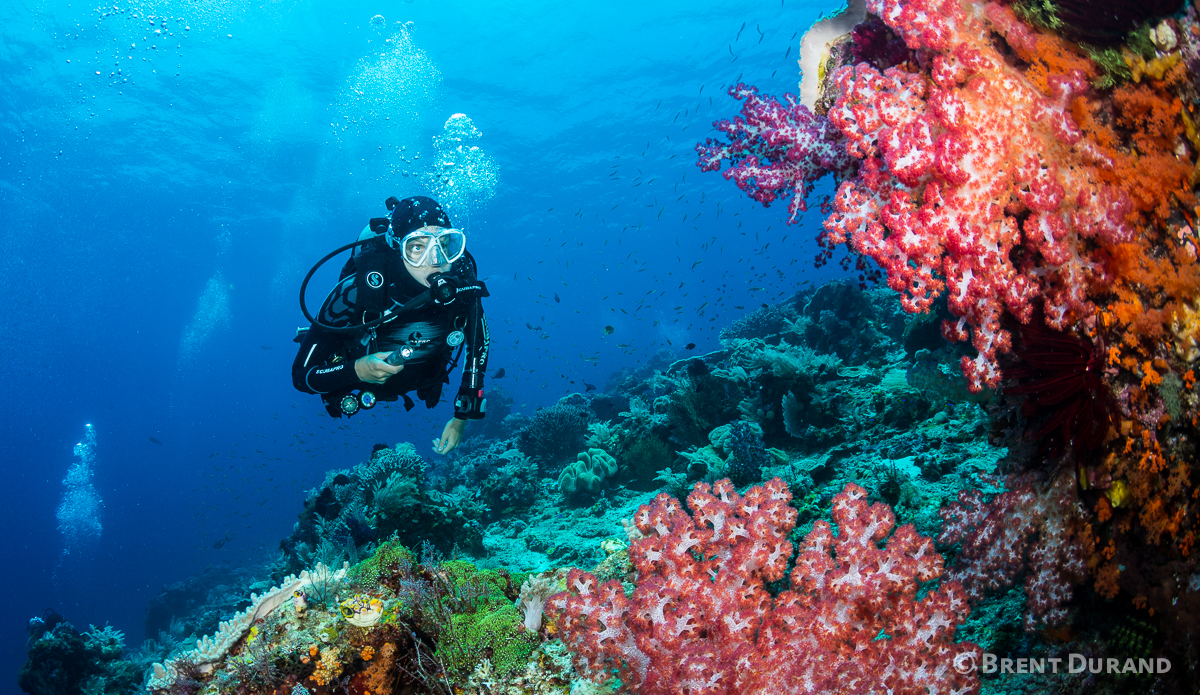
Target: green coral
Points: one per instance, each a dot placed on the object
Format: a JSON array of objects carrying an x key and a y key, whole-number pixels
[
  {"x": 1039, "y": 13},
  {"x": 1113, "y": 68},
  {"x": 1140, "y": 43},
  {"x": 465, "y": 578},
  {"x": 498, "y": 628},
  {"x": 383, "y": 564},
  {"x": 588, "y": 472}
]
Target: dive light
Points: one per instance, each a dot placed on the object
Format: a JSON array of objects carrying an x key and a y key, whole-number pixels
[{"x": 400, "y": 355}]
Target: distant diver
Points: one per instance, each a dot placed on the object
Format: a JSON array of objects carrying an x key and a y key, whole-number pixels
[{"x": 407, "y": 297}]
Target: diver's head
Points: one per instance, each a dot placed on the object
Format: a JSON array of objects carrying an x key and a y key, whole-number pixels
[{"x": 421, "y": 230}]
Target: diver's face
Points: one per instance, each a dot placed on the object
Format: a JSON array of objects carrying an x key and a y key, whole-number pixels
[{"x": 415, "y": 247}]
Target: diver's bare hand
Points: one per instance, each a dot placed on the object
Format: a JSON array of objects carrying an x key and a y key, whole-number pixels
[
  {"x": 451, "y": 436},
  {"x": 374, "y": 370}
]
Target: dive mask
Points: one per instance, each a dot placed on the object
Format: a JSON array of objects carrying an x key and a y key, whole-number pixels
[{"x": 432, "y": 246}]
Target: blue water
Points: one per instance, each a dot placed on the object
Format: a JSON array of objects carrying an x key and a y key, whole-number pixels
[{"x": 156, "y": 223}]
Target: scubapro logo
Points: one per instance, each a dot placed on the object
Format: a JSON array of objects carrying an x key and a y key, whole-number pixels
[{"x": 375, "y": 279}]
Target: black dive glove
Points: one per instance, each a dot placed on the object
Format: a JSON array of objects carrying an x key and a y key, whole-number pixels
[{"x": 469, "y": 404}]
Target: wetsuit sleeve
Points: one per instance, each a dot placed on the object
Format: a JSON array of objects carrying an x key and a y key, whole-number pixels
[
  {"x": 477, "y": 349},
  {"x": 314, "y": 370},
  {"x": 469, "y": 404}
]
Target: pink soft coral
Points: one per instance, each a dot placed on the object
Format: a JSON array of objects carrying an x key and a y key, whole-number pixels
[
  {"x": 701, "y": 620},
  {"x": 775, "y": 150}
]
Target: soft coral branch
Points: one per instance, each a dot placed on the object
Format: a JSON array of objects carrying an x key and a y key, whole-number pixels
[{"x": 775, "y": 150}]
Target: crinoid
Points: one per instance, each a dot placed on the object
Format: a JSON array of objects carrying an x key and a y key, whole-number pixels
[
  {"x": 1106, "y": 22},
  {"x": 1061, "y": 378}
]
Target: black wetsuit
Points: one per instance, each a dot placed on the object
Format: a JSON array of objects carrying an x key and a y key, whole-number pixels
[{"x": 325, "y": 363}]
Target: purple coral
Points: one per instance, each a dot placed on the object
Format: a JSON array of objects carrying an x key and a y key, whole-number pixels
[{"x": 775, "y": 150}]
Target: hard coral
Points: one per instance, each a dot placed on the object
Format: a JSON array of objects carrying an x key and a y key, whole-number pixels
[
  {"x": 701, "y": 620},
  {"x": 554, "y": 434}
]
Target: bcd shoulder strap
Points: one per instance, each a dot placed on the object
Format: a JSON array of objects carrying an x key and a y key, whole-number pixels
[{"x": 371, "y": 269}]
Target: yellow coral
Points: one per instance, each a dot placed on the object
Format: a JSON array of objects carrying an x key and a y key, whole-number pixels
[{"x": 1154, "y": 69}]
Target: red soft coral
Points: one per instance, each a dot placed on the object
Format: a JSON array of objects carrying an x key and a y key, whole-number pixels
[
  {"x": 701, "y": 620},
  {"x": 965, "y": 167}
]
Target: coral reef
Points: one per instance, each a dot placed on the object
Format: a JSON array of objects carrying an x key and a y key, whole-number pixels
[
  {"x": 1013, "y": 189},
  {"x": 1043, "y": 189},
  {"x": 63, "y": 661},
  {"x": 390, "y": 494}
]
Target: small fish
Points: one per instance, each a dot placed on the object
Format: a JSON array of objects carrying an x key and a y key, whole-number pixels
[
  {"x": 608, "y": 330},
  {"x": 265, "y": 347},
  {"x": 499, "y": 373},
  {"x": 690, "y": 346},
  {"x": 556, "y": 299},
  {"x": 219, "y": 544},
  {"x": 152, "y": 439},
  {"x": 588, "y": 387}
]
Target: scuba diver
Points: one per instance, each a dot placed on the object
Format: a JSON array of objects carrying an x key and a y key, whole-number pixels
[{"x": 407, "y": 298}]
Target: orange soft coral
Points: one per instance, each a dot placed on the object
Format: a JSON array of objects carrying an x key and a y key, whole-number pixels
[
  {"x": 1052, "y": 55},
  {"x": 1139, "y": 134},
  {"x": 1151, "y": 290}
]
